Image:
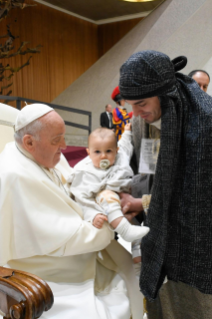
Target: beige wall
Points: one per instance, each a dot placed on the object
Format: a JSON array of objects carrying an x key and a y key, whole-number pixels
[{"x": 109, "y": 34}]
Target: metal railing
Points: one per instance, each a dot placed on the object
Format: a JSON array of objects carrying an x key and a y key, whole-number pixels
[{"x": 54, "y": 106}]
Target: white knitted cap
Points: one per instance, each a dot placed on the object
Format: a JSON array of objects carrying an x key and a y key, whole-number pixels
[{"x": 31, "y": 113}]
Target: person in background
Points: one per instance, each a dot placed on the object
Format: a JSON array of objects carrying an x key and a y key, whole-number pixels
[
  {"x": 120, "y": 116},
  {"x": 106, "y": 118},
  {"x": 201, "y": 77}
]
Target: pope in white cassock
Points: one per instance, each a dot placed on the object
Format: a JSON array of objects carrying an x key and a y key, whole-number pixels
[{"x": 42, "y": 230}]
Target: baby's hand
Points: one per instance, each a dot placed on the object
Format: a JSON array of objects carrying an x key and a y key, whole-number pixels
[
  {"x": 128, "y": 127},
  {"x": 98, "y": 220}
]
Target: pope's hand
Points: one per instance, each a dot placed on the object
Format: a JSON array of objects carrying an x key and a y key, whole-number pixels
[{"x": 99, "y": 220}]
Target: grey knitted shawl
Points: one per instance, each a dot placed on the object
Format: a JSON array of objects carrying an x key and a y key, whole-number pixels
[{"x": 179, "y": 244}]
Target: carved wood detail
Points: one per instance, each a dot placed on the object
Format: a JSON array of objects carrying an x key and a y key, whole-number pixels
[{"x": 23, "y": 295}]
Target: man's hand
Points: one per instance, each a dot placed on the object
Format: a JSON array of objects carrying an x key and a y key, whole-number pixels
[
  {"x": 99, "y": 220},
  {"x": 131, "y": 206}
]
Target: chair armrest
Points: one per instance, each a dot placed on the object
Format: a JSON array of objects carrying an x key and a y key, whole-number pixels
[{"x": 23, "y": 295}]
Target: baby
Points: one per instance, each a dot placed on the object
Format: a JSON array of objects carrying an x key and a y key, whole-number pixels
[{"x": 99, "y": 177}]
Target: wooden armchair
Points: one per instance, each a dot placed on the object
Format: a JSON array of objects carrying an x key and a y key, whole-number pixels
[{"x": 22, "y": 295}]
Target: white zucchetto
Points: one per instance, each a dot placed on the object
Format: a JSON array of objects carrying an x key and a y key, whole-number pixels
[{"x": 31, "y": 113}]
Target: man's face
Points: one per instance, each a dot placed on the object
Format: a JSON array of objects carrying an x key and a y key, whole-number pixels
[
  {"x": 47, "y": 150},
  {"x": 148, "y": 109},
  {"x": 109, "y": 108},
  {"x": 100, "y": 149},
  {"x": 202, "y": 79}
]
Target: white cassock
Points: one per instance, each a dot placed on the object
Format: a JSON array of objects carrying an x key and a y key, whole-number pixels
[{"x": 42, "y": 232}]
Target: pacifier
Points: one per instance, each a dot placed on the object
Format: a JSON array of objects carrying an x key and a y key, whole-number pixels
[{"x": 104, "y": 164}]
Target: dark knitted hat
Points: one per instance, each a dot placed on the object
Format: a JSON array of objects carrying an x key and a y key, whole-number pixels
[
  {"x": 116, "y": 95},
  {"x": 147, "y": 74}
]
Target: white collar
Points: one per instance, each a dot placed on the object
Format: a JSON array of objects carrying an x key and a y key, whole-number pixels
[
  {"x": 157, "y": 124},
  {"x": 52, "y": 173},
  {"x": 25, "y": 152}
]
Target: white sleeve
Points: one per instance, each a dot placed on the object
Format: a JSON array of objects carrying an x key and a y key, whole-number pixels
[
  {"x": 136, "y": 248},
  {"x": 87, "y": 239},
  {"x": 125, "y": 143},
  {"x": 40, "y": 219}
]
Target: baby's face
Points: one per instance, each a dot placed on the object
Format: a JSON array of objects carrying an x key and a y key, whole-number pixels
[{"x": 100, "y": 149}]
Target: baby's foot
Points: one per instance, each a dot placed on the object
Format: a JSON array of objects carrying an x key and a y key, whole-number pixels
[{"x": 130, "y": 232}]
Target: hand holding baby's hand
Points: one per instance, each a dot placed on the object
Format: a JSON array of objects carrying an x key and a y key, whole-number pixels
[
  {"x": 128, "y": 127},
  {"x": 99, "y": 220}
]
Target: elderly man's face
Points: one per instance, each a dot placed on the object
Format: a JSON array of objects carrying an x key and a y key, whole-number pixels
[
  {"x": 47, "y": 150},
  {"x": 148, "y": 109},
  {"x": 202, "y": 79}
]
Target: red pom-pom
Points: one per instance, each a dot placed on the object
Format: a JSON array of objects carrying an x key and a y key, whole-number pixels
[{"x": 115, "y": 92}]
